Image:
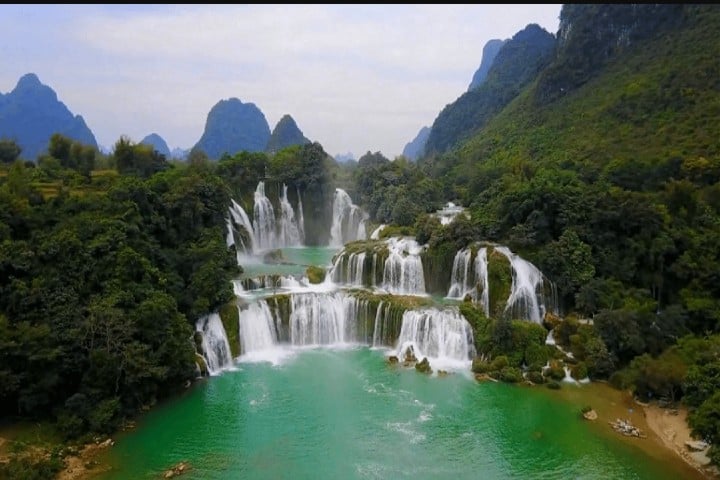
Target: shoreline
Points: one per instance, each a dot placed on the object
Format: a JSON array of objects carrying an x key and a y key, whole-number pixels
[
  {"x": 670, "y": 425},
  {"x": 664, "y": 433}
]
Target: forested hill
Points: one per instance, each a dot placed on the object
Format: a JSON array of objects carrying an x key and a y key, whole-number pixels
[
  {"x": 517, "y": 63},
  {"x": 605, "y": 172},
  {"x": 107, "y": 262}
]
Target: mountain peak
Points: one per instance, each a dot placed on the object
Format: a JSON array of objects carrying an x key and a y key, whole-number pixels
[
  {"x": 32, "y": 113},
  {"x": 29, "y": 80},
  {"x": 285, "y": 134}
]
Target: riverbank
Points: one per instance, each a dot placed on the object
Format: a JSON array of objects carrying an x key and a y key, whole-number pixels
[{"x": 665, "y": 430}]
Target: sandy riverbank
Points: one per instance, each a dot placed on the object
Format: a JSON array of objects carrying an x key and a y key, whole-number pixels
[
  {"x": 664, "y": 432},
  {"x": 672, "y": 428}
]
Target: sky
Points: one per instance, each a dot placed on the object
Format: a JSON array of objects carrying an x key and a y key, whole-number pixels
[{"x": 356, "y": 78}]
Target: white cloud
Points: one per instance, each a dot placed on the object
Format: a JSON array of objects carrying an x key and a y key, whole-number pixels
[{"x": 354, "y": 77}]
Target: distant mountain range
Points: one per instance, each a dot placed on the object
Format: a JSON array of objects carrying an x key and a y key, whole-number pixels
[{"x": 32, "y": 113}]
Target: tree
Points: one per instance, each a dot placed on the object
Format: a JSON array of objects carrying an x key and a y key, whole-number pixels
[{"x": 9, "y": 150}]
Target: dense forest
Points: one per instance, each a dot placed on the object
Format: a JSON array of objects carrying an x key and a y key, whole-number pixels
[{"x": 602, "y": 166}]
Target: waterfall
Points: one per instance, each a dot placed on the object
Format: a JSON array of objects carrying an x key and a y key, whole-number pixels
[
  {"x": 257, "y": 328},
  {"x": 215, "y": 345},
  {"x": 264, "y": 220},
  {"x": 322, "y": 319},
  {"x": 403, "y": 271},
  {"x": 442, "y": 335},
  {"x": 527, "y": 293},
  {"x": 301, "y": 217},
  {"x": 289, "y": 229},
  {"x": 375, "y": 235},
  {"x": 240, "y": 218},
  {"x": 383, "y": 331},
  {"x": 481, "y": 276},
  {"x": 348, "y": 222},
  {"x": 349, "y": 269},
  {"x": 460, "y": 282}
]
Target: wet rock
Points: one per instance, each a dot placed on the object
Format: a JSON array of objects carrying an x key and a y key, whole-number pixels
[
  {"x": 392, "y": 359},
  {"x": 590, "y": 415},
  {"x": 696, "y": 445},
  {"x": 423, "y": 366}
]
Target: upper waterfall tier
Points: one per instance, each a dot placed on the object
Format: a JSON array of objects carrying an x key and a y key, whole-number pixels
[
  {"x": 269, "y": 228},
  {"x": 393, "y": 265}
]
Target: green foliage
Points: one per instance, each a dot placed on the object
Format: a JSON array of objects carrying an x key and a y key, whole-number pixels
[
  {"x": 100, "y": 284},
  {"x": 315, "y": 274},
  {"x": 137, "y": 159},
  {"x": 9, "y": 151},
  {"x": 231, "y": 322},
  {"x": 396, "y": 192},
  {"x": 499, "y": 282}
]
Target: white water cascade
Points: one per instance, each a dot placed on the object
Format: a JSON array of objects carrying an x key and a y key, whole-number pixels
[
  {"x": 290, "y": 231},
  {"x": 264, "y": 220},
  {"x": 470, "y": 278},
  {"x": 527, "y": 295},
  {"x": 348, "y": 221},
  {"x": 257, "y": 328},
  {"x": 239, "y": 218},
  {"x": 350, "y": 271},
  {"x": 403, "y": 271},
  {"x": 326, "y": 319},
  {"x": 215, "y": 345},
  {"x": 300, "y": 217},
  {"x": 375, "y": 235},
  {"x": 444, "y": 336}
]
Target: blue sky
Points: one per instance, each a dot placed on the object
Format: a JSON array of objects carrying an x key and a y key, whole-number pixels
[{"x": 355, "y": 78}]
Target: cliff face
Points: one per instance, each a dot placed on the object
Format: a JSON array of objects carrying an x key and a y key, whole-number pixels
[
  {"x": 490, "y": 51},
  {"x": 591, "y": 34},
  {"x": 517, "y": 64}
]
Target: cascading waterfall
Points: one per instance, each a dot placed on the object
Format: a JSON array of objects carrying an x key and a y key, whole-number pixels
[
  {"x": 240, "y": 218},
  {"x": 301, "y": 217},
  {"x": 264, "y": 220},
  {"x": 324, "y": 319},
  {"x": 375, "y": 235},
  {"x": 383, "y": 330},
  {"x": 290, "y": 235},
  {"x": 258, "y": 331},
  {"x": 349, "y": 269},
  {"x": 215, "y": 345},
  {"x": 460, "y": 280},
  {"x": 403, "y": 271},
  {"x": 481, "y": 275},
  {"x": 443, "y": 335},
  {"x": 348, "y": 222},
  {"x": 470, "y": 278},
  {"x": 527, "y": 295}
]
